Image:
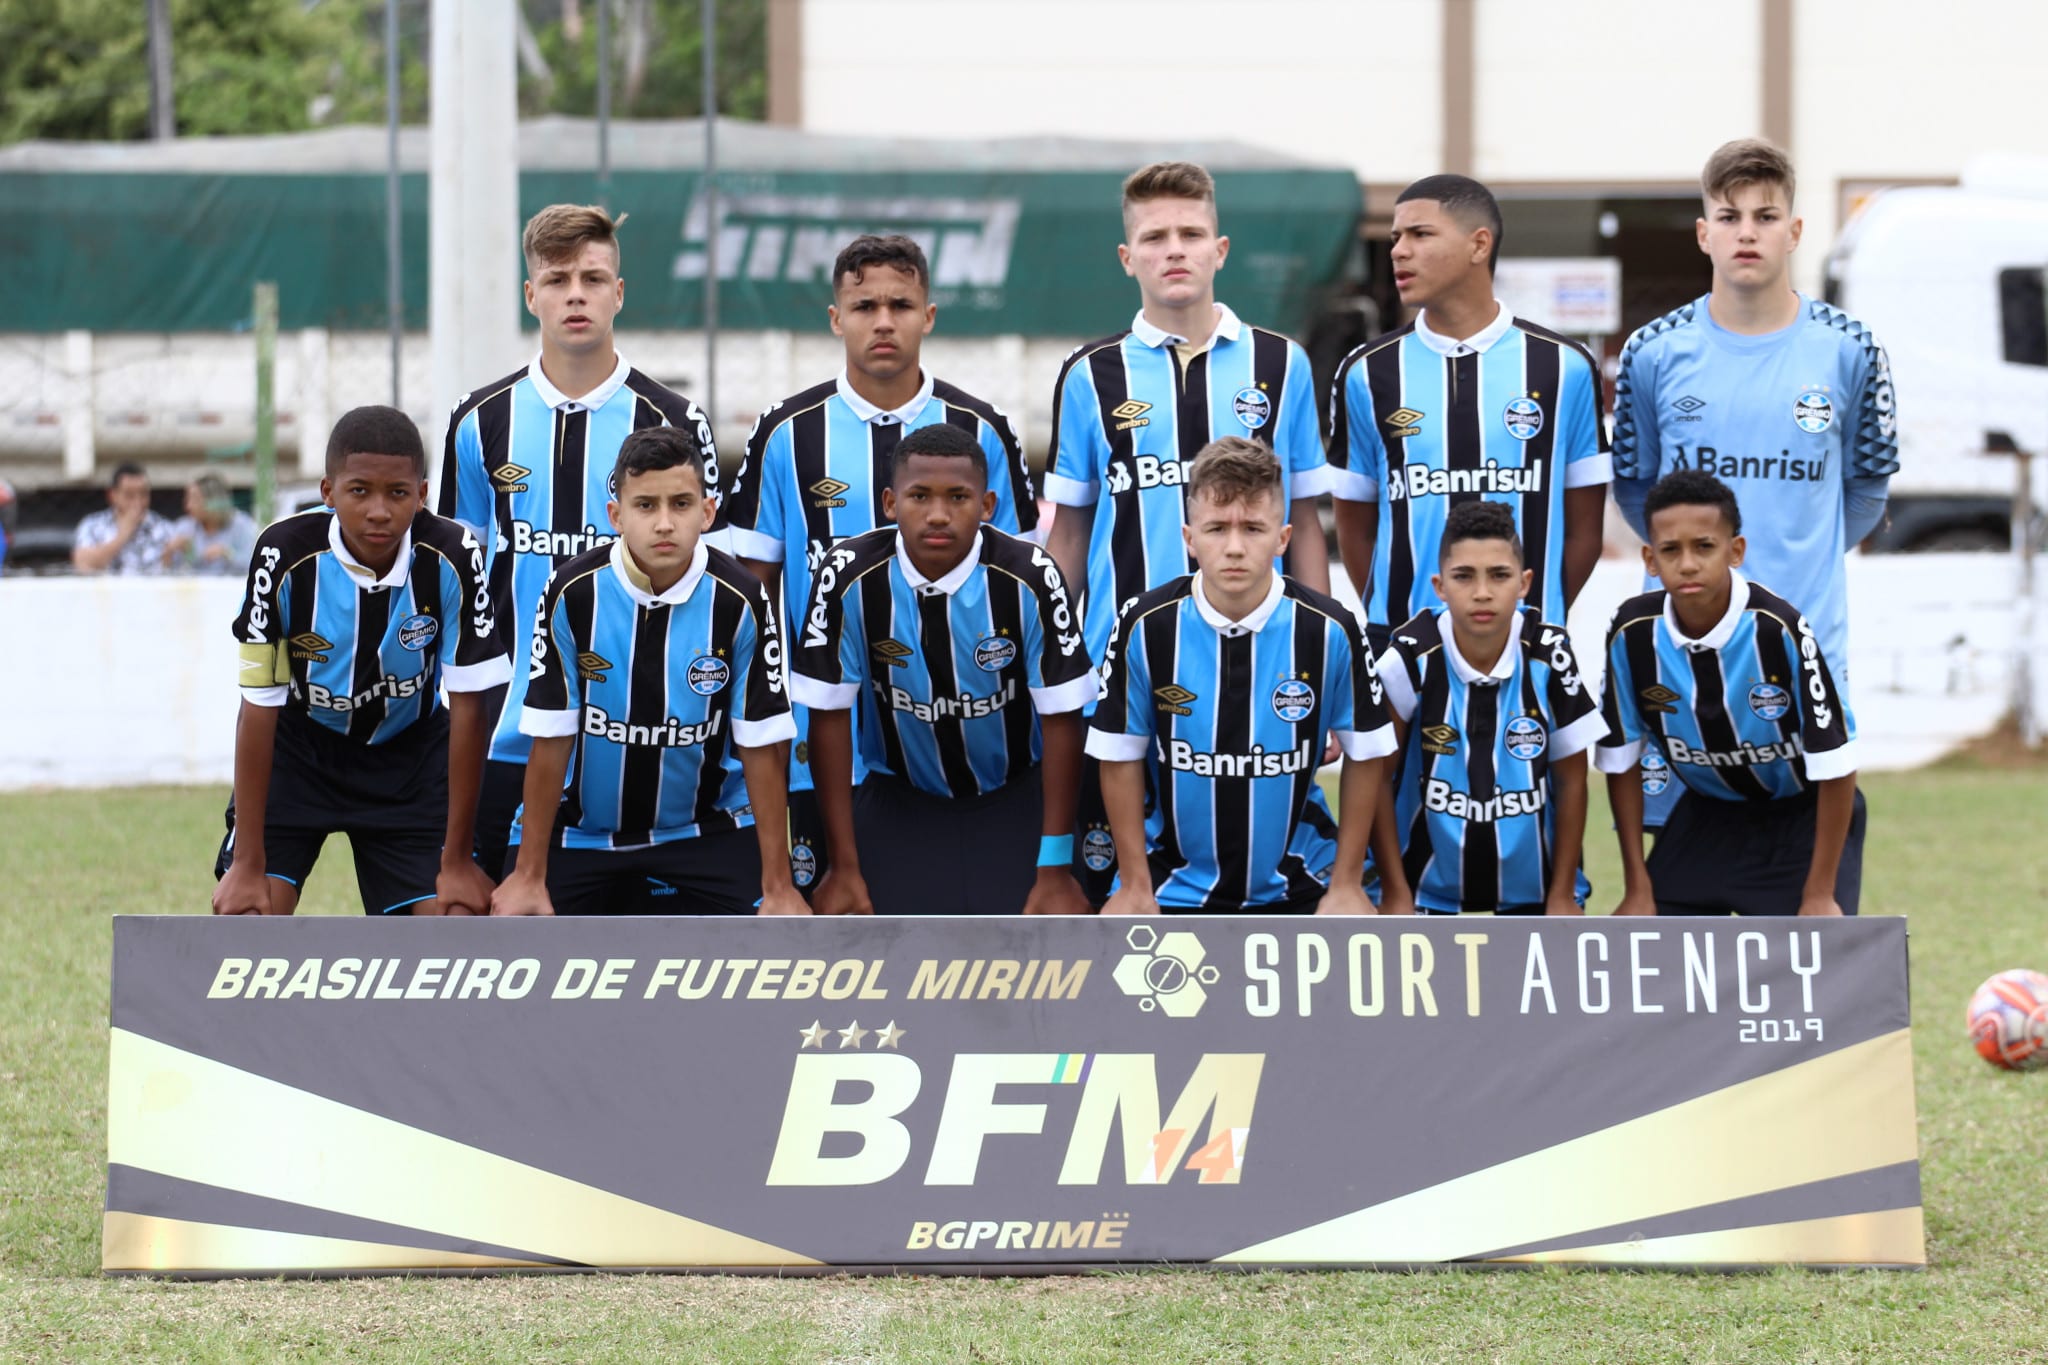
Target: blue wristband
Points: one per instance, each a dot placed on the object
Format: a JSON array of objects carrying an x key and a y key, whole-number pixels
[{"x": 1056, "y": 850}]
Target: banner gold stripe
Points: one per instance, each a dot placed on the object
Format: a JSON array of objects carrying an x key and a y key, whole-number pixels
[
  {"x": 1886, "y": 1237},
  {"x": 167, "y": 1110},
  {"x": 1848, "y": 1111},
  {"x": 144, "y": 1242}
]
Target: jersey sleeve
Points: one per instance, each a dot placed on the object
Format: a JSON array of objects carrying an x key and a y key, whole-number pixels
[
  {"x": 1876, "y": 452},
  {"x": 1400, "y": 671},
  {"x": 1358, "y": 458},
  {"x": 1638, "y": 448},
  {"x": 1298, "y": 444},
  {"x": 465, "y": 483},
  {"x": 1582, "y": 438},
  {"x": 554, "y": 686},
  {"x": 1009, "y": 476},
  {"x": 831, "y": 648},
  {"x": 754, "y": 529},
  {"x": 266, "y": 666},
  {"x": 760, "y": 714},
  {"x": 1827, "y": 730},
  {"x": 1621, "y": 748},
  {"x": 1057, "y": 672},
  {"x": 1358, "y": 711},
  {"x": 1121, "y": 730},
  {"x": 1074, "y": 468},
  {"x": 1575, "y": 721},
  {"x": 475, "y": 658}
]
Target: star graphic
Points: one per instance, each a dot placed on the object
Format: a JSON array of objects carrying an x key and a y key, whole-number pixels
[
  {"x": 889, "y": 1035},
  {"x": 814, "y": 1036},
  {"x": 851, "y": 1035}
]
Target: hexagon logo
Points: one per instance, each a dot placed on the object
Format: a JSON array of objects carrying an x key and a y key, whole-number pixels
[{"x": 1165, "y": 971}]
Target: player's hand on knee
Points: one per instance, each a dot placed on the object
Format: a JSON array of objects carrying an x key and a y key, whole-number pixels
[
  {"x": 518, "y": 895},
  {"x": 784, "y": 900},
  {"x": 841, "y": 892},
  {"x": 242, "y": 891},
  {"x": 1563, "y": 905},
  {"x": 463, "y": 888},
  {"x": 1392, "y": 902},
  {"x": 1345, "y": 900},
  {"x": 1055, "y": 892},
  {"x": 1130, "y": 901},
  {"x": 1637, "y": 903},
  {"x": 1819, "y": 905}
]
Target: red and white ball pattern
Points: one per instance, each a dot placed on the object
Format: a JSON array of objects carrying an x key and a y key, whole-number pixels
[{"x": 2008, "y": 1020}]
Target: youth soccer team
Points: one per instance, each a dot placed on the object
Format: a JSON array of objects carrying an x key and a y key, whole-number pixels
[{"x": 842, "y": 674}]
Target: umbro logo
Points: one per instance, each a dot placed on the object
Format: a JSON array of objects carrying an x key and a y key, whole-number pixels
[
  {"x": 1131, "y": 413},
  {"x": 307, "y": 645},
  {"x": 507, "y": 477},
  {"x": 1689, "y": 409},
  {"x": 1175, "y": 698},
  {"x": 592, "y": 666},
  {"x": 825, "y": 493},
  {"x": 1404, "y": 422},
  {"x": 1659, "y": 699},
  {"x": 1439, "y": 739},
  {"x": 891, "y": 652}
]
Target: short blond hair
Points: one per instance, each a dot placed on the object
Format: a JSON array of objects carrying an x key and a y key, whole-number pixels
[
  {"x": 1234, "y": 469},
  {"x": 1168, "y": 180},
  {"x": 1746, "y": 161},
  {"x": 559, "y": 231}
]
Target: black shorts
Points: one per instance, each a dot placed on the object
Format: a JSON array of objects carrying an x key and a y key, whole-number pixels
[
  {"x": 390, "y": 799},
  {"x": 1304, "y": 906},
  {"x": 807, "y": 852},
  {"x": 930, "y": 855},
  {"x": 497, "y": 806},
  {"x": 712, "y": 874},
  {"x": 1747, "y": 857}
]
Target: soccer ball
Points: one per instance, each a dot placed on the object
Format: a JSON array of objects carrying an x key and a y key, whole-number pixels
[{"x": 2008, "y": 1020}]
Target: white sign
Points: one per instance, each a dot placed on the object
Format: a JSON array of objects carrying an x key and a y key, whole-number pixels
[{"x": 1580, "y": 295}]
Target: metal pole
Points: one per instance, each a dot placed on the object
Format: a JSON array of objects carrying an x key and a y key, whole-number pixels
[
  {"x": 604, "y": 104},
  {"x": 394, "y": 244},
  {"x": 709, "y": 12},
  {"x": 163, "y": 119},
  {"x": 2023, "y": 545},
  {"x": 266, "y": 401}
]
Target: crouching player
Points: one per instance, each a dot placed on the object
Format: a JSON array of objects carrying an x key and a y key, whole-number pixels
[
  {"x": 1489, "y": 810},
  {"x": 1728, "y": 682},
  {"x": 353, "y": 621},
  {"x": 656, "y": 690},
  {"x": 960, "y": 645},
  {"x": 1222, "y": 687}
]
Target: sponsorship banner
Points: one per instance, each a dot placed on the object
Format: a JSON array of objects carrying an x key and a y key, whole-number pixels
[{"x": 356, "y": 1095}]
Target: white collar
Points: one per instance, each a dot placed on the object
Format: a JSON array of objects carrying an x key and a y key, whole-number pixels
[
  {"x": 869, "y": 413},
  {"x": 642, "y": 588},
  {"x": 1227, "y": 328},
  {"x": 1480, "y": 341},
  {"x": 593, "y": 400},
  {"x": 1252, "y": 622},
  {"x": 955, "y": 579},
  {"x": 1503, "y": 667},
  {"x": 364, "y": 576},
  {"x": 1724, "y": 629}
]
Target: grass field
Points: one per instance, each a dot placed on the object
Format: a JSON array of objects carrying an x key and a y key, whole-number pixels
[{"x": 1963, "y": 849}]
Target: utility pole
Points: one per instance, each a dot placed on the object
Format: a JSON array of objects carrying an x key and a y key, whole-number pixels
[
  {"x": 163, "y": 119},
  {"x": 709, "y": 11}
]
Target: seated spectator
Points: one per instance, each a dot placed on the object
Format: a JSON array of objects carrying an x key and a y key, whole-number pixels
[
  {"x": 214, "y": 537},
  {"x": 124, "y": 537}
]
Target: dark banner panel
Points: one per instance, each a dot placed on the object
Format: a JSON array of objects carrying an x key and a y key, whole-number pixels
[{"x": 356, "y": 1095}]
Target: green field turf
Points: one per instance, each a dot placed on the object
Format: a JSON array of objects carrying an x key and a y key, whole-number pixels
[{"x": 1963, "y": 849}]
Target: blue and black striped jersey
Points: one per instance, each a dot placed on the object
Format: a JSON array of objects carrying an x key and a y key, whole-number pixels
[
  {"x": 1472, "y": 800},
  {"x": 815, "y": 468},
  {"x": 529, "y": 470},
  {"x": 658, "y": 690},
  {"x": 1420, "y": 423},
  {"x": 1231, "y": 717},
  {"x": 1747, "y": 712},
  {"x": 1130, "y": 413},
  {"x": 360, "y": 654},
  {"x": 950, "y": 676}
]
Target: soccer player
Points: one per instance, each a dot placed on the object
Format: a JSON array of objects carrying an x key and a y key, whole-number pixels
[
  {"x": 1131, "y": 411},
  {"x": 1467, "y": 403},
  {"x": 818, "y": 463},
  {"x": 1222, "y": 688},
  {"x": 1490, "y": 798},
  {"x": 1786, "y": 399},
  {"x": 656, "y": 689},
  {"x": 353, "y": 620},
  {"x": 528, "y": 456},
  {"x": 960, "y": 647},
  {"x": 125, "y": 536},
  {"x": 1732, "y": 686}
]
